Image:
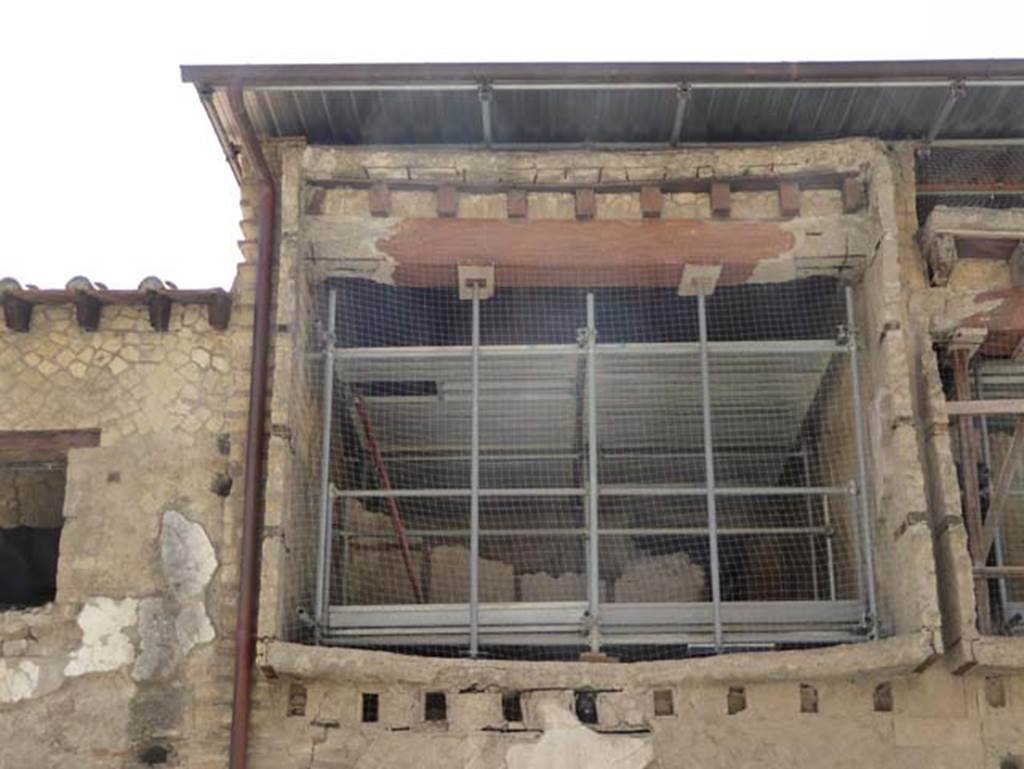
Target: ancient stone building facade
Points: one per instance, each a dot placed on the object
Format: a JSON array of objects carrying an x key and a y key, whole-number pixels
[{"x": 127, "y": 429}]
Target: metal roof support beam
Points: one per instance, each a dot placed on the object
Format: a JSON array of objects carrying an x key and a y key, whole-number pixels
[
  {"x": 682, "y": 97},
  {"x": 956, "y": 91},
  {"x": 661, "y": 74},
  {"x": 486, "y": 96}
]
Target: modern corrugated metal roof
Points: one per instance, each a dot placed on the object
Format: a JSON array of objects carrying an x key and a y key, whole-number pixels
[{"x": 622, "y": 104}]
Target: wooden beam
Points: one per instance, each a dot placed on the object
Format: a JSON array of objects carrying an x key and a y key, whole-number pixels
[
  {"x": 995, "y": 249},
  {"x": 743, "y": 183},
  {"x": 45, "y": 444},
  {"x": 1001, "y": 494},
  {"x": 651, "y": 202},
  {"x": 17, "y": 313},
  {"x": 516, "y": 204},
  {"x": 159, "y": 311},
  {"x": 789, "y": 199},
  {"x": 380, "y": 199},
  {"x": 218, "y": 311},
  {"x": 586, "y": 204},
  {"x": 87, "y": 310},
  {"x": 721, "y": 199},
  {"x": 551, "y": 252},
  {"x": 992, "y": 407},
  {"x": 969, "y": 485}
]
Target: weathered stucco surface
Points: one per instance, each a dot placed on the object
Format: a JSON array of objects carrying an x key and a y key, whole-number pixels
[
  {"x": 134, "y": 658},
  {"x": 134, "y": 653}
]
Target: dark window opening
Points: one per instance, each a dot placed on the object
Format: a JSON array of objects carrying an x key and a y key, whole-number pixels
[
  {"x": 31, "y": 518},
  {"x": 586, "y": 706},
  {"x": 512, "y": 707},
  {"x": 883, "y": 700},
  {"x": 371, "y": 708},
  {"x": 435, "y": 707},
  {"x": 808, "y": 699}
]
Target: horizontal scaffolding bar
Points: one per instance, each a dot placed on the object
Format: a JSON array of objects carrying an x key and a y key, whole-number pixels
[
  {"x": 767, "y": 347},
  {"x": 999, "y": 571},
  {"x": 555, "y": 622},
  {"x": 993, "y": 407},
  {"x": 606, "y": 491},
  {"x": 673, "y": 490},
  {"x": 577, "y": 532}
]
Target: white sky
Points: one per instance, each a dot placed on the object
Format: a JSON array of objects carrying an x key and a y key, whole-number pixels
[{"x": 111, "y": 169}]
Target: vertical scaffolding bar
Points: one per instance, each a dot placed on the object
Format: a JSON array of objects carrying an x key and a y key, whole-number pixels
[
  {"x": 812, "y": 542},
  {"x": 864, "y": 509},
  {"x": 593, "y": 493},
  {"x": 986, "y": 454},
  {"x": 323, "y": 551},
  {"x": 826, "y": 515},
  {"x": 474, "y": 487},
  {"x": 709, "y": 471}
]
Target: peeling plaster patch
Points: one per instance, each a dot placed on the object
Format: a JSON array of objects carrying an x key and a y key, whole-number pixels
[
  {"x": 188, "y": 557},
  {"x": 104, "y": 645},
  {"x": 347, "y": 246},
  {"x": 568, "y": 744},
  {"x": 18, "y": 680},
  {"x": 778, "y": 270},
  {"x": 170, "y": 626}
]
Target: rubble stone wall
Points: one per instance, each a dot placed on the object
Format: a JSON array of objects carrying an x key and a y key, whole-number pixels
[{"x": 133, "y": 659}]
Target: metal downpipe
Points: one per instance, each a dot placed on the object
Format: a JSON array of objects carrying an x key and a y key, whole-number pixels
[{"x": 255, "y": 439}]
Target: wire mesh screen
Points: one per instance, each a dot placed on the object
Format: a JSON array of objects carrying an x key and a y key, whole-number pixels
[
  {"x": 552, "y": 470},
  {"x": 982, "y": 177},
  {"x": 1001, "y": 494}
]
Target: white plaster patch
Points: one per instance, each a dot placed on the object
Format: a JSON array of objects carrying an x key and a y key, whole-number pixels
[
  {"x": 169, "y": 627},
  {"x": 778, "y": 270},
  {"x": 568, "y": 744},
  {"x": 188, "y": 557},
  {"x": 18, "y": 680},
  {"x": 104, "y": 645}
]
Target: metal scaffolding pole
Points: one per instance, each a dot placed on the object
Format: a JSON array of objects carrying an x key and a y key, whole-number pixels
[
  {"x": 593, "y": 493},
  {"x": 862, "y": 469},
  {"x": 826, "y": 515},
  {"x": 986, "y": 453},
  {"x": 709, "y": 470},
  {"x": 812, "y": 543},
  {"x": 474, "y": 487},
  {"x": 323, "y": 550}
]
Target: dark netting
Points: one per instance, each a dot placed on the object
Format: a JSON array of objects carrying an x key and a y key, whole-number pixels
[
  {"x": 615, "y": 508},
  {"x": 979, "y": 177},
  {"x": 1000, "y": 480}
]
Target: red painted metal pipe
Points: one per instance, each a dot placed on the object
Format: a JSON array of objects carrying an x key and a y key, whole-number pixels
[
  {"x": 255, "y": 440},
  {"x": 385, "y": 484}
]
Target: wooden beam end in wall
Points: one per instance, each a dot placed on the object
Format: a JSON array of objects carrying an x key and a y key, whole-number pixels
[
  {"x": 380, "y": 199},
  {"x": 586, "y": 204},
  {"x": 789, "y": 199},
  {"x": 651, "y": 202},
  {"x": 721, "y": 199},
  {"x": 854, "y": 195},
  {"x": 516, "y": 204}
]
